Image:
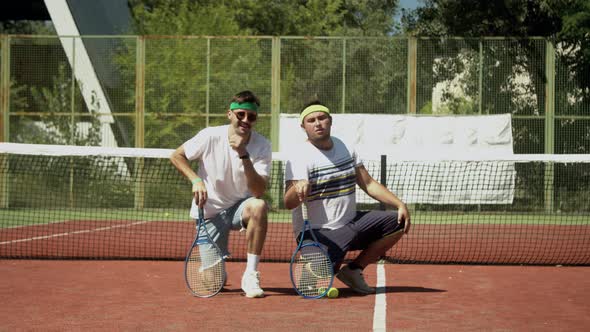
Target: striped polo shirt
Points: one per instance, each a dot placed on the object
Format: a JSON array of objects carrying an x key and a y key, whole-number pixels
[{"x": 332, "y": 177}]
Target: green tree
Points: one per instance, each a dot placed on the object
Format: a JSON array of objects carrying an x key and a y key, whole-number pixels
[
  {"x": 316, "y": 17},
  {"x": 266, "y": 17},
  {"x": 176, "y": 69},
  {"x": 373, "y": 75},
  {"x": 464, "y": 18},
  {"x": 60, "y": 129},
  {"x": 183, "y": 17},
  {"x": 575, "y": 34},
  {"x": 565, "y": 22},
  {"x": 26, "y": 28}
]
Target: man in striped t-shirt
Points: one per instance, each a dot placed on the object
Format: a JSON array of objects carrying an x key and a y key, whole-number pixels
[{"x": 324, "y": 171}]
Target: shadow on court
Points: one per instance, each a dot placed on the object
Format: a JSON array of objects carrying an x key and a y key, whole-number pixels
[{"x": 407, "y": 289}]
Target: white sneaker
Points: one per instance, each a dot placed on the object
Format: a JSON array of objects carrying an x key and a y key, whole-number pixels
[
  {"x": 251, "y": 284},
  {"x": 353, "y": 278}
]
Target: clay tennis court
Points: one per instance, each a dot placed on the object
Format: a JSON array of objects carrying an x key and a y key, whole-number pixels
[
  {"x": 150, "y": 295},
  {"x": 54, "y": 295}
]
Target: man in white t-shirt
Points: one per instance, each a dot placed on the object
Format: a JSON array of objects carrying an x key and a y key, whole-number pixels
[
  {"x": 233, "y": 172},
  {"x": 323, "y": 172}
]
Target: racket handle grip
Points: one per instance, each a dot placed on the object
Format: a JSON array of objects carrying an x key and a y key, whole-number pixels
[
  {"x": 201, "y": 213},
  {"x": 304, "y": 211}
]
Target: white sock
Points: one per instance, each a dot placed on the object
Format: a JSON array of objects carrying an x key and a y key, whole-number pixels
[{"x": 252, "y": 262}]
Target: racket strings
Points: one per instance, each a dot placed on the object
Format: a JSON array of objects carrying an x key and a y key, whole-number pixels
[
  {"x": 205, "y": 271},
  {"x": 313, "y": 272}
]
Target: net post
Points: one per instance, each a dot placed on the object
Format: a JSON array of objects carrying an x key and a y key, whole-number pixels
[
  {"x": 4, "y": 198},
  {"x": 549, "y": 187},
  {"x": 383, "y": 177},
  {"x": 276, "y": 188}
]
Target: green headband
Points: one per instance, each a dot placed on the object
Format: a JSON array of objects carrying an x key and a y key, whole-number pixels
[
  {"x": 312, "y": 109},
  {"x": 244, "y": 106}
]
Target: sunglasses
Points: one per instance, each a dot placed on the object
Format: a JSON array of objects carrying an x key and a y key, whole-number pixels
[{"x": 243, "y": 114}]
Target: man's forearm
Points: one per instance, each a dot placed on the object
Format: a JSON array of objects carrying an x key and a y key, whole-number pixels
[
  {"x": 179, "y": 161},
  {"x": 291, "y": 199},
  {"x": 383, "y": 195},
  {"x": 256, "y": 182}
]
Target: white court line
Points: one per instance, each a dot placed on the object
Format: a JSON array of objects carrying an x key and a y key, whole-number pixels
[
  {"x": 72, "y": 233},
  {"x": 380, "y": 311}
]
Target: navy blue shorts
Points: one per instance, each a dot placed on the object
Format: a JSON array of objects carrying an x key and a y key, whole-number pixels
[{"x": 366, "y": 228}]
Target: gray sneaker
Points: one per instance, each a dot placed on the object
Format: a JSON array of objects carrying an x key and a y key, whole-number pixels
[{"x": 354, "y": 279}]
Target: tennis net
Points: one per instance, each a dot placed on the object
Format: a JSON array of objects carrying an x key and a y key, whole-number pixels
[{"x": 72, "y": 202}]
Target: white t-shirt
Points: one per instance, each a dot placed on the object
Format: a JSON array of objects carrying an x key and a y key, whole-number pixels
[
  {"x": 332, "y": 176},
  {"x": 221, "y": 168}
]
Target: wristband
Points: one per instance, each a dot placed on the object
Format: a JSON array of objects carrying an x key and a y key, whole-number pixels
[
  {"x": 246, "y": 156},
  {"x": 196, "y": 180}
]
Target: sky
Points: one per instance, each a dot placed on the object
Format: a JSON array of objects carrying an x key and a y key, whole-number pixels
[
  {"x": 411, "y": 4},
  {"x": 407, "y": 4}
]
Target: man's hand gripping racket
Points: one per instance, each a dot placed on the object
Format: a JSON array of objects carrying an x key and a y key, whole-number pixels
[
  {"x": 204, "y": 267},
  {"x": 311, "y": 269}
]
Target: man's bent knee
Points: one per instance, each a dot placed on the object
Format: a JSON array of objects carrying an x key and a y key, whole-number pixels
[
  {"x": 256, "y": 209},
  {"x": 257, "y": 206}
]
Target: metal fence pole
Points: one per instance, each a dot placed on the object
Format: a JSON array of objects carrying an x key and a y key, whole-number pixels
[
  {"x": 4, "y": 116},
  {"x": 276, "y": 191},
  {"x": 275, "y": 92},
  {"x": 480, "y": 80},
  {"x": 71, "y": 196},
  {"x": 343, "y": 98},
  {"x": 549, "y": 124},
  {"x": 208, "y": 84},
  {"x": 412, "y": 76},
  {"x": 139, "y": 199}
]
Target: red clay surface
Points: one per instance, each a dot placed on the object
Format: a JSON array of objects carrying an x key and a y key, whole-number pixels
[{"x": 55, "y": 295}]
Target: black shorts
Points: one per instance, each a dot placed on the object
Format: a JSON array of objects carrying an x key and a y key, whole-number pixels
[{"x": 366, "y": 228}]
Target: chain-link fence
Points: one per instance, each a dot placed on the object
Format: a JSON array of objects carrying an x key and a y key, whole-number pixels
[{"x": 132, "y": 91}]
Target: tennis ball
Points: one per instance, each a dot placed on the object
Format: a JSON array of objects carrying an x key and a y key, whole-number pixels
[{"x": 333, "y": 293}]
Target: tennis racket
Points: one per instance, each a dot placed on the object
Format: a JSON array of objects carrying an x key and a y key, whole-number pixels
[
  {"x": 204, "y": 267},
  {"x": 311, "y": 268}
]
